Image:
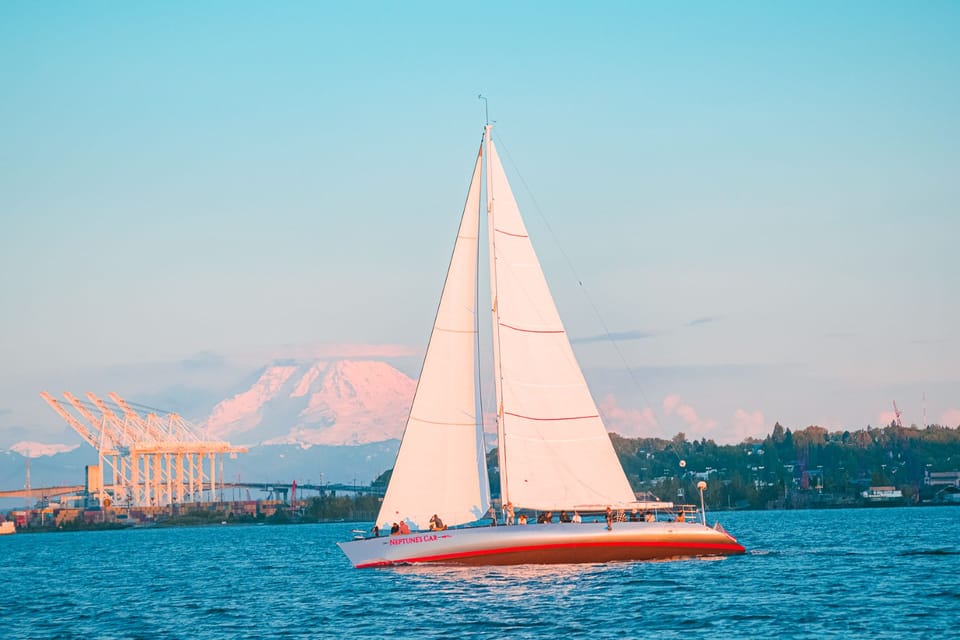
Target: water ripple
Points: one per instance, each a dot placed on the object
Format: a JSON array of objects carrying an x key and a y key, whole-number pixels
[{"x": 881, "y": 573}]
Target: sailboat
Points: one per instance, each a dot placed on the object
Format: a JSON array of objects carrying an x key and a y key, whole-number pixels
[{"x": 554, "y": 451}]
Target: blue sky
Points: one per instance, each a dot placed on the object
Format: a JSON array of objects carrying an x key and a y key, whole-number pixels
[{"x": 761, "y": 198}]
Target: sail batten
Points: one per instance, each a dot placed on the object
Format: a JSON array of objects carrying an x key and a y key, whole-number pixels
[
  {"x": 512, "y": 235},
  {"x": 528, "y": 330}
]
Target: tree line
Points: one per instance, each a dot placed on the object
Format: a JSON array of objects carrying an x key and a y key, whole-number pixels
[
  {"x": 804, "y": 468},
  {"x": 785, "y": 468}
]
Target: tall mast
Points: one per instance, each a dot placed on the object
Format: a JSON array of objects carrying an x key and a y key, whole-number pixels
[{"x": 497, "y": 373}]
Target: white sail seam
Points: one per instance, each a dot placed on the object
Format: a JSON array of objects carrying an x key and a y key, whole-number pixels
[
  {"x": 553, "y": 440},
  {"x": 557, "y": 419},
  {"x": 444, "y": 329},
  {"x": 533, "y": 385},
  {"x": 444, "y": 422}
]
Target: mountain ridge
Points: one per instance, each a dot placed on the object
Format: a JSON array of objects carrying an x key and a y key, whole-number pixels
[{"x": 334, "y": 402}]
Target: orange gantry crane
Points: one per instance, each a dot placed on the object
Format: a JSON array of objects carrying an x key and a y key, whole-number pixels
[{"x": 896, "y": 413}]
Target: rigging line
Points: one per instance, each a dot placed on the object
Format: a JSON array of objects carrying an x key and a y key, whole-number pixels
[
  {"x": 137, "y": 405},
  {"x": 495, "y": 328},
  {"x": 576, "y": 276},
  {"x": 477, "y": 372}
]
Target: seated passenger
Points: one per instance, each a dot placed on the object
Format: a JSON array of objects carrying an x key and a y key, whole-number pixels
[
  {"x": 404, "y": 527},
  {"x": 576, "y": 517},
  {"x": 522, "y": 519},
  {"x": 436, "y": 524},
  {"x": 395, "y": 529},
  {"x": 564, "y": 517}
]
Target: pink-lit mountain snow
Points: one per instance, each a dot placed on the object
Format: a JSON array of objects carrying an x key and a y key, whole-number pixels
[
  {"x": 338, "y": 402},
  {"x": 38, "y": 449}
]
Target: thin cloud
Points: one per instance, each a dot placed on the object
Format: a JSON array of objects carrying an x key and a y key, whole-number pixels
[
  {"x": 704, "y": 320},
  {"x": 886, "y": 417},
  {"x": 950, "y": 418},
  {"x": 203, "y": 360},
  {"x": 747, "y": 424},
  {"x": 334, "y": 351},
  {"x": 630, "y": 423},
  {"x": 674, "y": 405},
  {"x": 617, "y": 336}
]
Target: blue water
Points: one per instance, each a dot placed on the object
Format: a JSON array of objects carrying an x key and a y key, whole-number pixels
[{"x": 867, "y": 573}]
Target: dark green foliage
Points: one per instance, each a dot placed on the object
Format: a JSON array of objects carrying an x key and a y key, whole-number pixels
[
  {"x": 811, "y": 467},
  {"x": 382, "y": 480},
  {"x": 331, "y": 508}
]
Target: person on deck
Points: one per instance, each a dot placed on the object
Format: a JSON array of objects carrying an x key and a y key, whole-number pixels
[
  {"x": 522, "y": 519},
  {"x": 404, "y": 527},
  {"x": 493, "y": 517},
  {"x": 609, "y": 519},
  {"x": 436, "y": 524},
  {"x": 395, "y": 529},
  {"x": 564, "y": 516},
  {"x": 576, "y": 517},
  {"x": 508, "y": 512}
]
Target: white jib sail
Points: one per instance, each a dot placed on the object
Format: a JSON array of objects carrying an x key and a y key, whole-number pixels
[
  {"x": 440, "y": 466},
  {"x": 555, "y": 452}
]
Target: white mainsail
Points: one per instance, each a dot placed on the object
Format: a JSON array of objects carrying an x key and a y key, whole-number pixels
[
  {"x": 441, "y": 466},
  {"x": 555, "y": 452}
]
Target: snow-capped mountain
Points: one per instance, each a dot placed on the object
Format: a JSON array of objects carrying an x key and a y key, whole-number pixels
[
  {"x": 340, "y": 420},
  {"x": 38, "y": 449},
  {"x": 338, "y": 402}
]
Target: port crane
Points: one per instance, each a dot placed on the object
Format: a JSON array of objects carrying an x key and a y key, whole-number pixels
[
  {"x": 896, "y": 413},
  {"x": 151, "y": 459}
]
